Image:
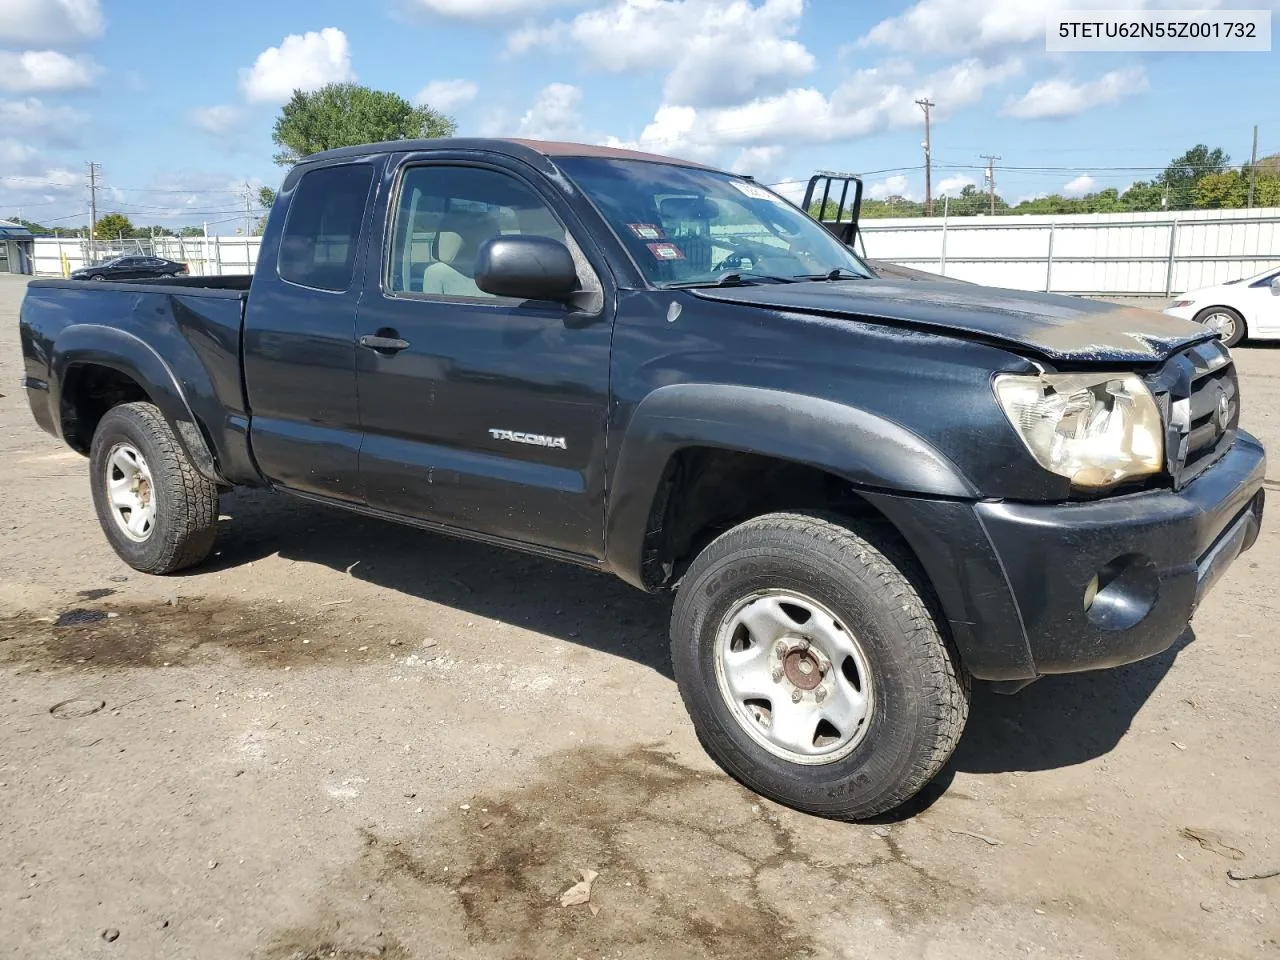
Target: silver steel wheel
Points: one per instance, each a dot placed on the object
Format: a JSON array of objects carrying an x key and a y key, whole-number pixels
[
  {"x": 794, "y": 677},
  {"x": 1221, "y": 323},
  {"x": 131, "y": 492}
]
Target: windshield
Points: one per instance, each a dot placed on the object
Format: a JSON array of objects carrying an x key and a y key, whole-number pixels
[{"x": 686, "y": 226}]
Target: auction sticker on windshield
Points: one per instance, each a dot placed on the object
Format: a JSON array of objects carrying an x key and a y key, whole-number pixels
[
  {"x": 665, "y": 251},
  {"x": 754, "y": 191},
  {"x": 646, "y": 231}
]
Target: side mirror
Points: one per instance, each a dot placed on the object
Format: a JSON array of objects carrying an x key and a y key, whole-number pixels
[
  {"x": 1275, "y": 286},
  {"x": 527, "y": 268}
]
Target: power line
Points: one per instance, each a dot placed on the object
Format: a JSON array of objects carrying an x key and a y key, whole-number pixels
[
  {"x": 93, "y": 205},
  {"x": 1253, "y": 165},
  {"x": 991, "y": 178},
  {"x": 924, "y": 105}
]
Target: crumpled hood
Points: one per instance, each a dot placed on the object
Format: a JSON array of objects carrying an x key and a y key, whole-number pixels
[{"x": 1055, "y": 327}]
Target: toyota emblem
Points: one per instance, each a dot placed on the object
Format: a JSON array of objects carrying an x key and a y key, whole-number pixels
[{"x": 1224, "y": 412}]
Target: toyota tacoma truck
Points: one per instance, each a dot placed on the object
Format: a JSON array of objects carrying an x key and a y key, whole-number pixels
[{"x": 861, "y": 493}]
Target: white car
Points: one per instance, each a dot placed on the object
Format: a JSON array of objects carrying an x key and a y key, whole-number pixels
[{"x": 1249, "y": 307}]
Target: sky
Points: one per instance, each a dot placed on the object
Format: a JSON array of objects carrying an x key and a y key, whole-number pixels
[{"x": 176, "y": 101}]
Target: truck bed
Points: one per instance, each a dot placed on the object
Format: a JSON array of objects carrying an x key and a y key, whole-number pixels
[
  {"x": 180, "y": 337},
  {"x": 231, "y": 284}
]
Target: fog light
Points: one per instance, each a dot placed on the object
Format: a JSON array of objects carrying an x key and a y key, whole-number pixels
[
  {"x": 1122, "y": 593},
  {"x": 1091, "y": 592}
]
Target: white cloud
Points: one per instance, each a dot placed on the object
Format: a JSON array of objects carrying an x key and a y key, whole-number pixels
[
  {"x": 954, "y": 186},
  {"x": 447, "y": 94},
  {"x": 554, "y": 114},
  {"x": 1063, "y": 98},
  {"x": 31, "y": 180},
  {"x": 974, "y": 26},
  {"x": 714, "y": 52},
  {"x": 1079, "y": 186},
  {"x": 868, "y": 102},
  {"x": 490, "y": 9},
  {"x": 219, "y": 120},
  {"x": 49, "y": 21},
  {"x": 758, "y": 162},
  {"x": 17, "y": 157},
  {"x": 303, "y": 61},
  {"x": 54, "y": 124},
  {"x": 894, "y": 186},
  {"x": 44, "y": 70}
]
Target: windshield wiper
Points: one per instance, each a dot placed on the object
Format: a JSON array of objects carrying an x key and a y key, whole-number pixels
[
  {"x": 839, "y": 273},
  {"x": 731, "y": 279}
]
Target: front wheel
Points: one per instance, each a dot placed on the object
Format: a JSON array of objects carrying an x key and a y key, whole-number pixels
[
  {"x": 813, "y": 668},
  {"x": 156, "y": 509},
  {"x": 1227, "y": 323}
]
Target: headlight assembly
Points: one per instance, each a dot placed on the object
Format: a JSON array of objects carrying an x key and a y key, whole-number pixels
[{"x": 1095, "y": 429}]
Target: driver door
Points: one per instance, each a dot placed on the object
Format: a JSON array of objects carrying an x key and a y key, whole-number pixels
[{"x": 479, "y": 412}]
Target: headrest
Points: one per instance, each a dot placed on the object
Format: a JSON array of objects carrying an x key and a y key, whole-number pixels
[{"x": 447, "y": 246}]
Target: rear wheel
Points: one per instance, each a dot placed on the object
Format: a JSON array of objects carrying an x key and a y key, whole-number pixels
[
  {"x": 812, "y": 667},
  {"x": 1225, "y": 322},
  {"x": 157, "y": 511}
]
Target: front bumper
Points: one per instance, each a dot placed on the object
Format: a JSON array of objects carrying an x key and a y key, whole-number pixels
[
  {"x": 1014, "y": 579},
  {"x": 1182, "y": 313}
]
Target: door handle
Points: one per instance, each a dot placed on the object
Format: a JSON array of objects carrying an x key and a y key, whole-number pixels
[{"x": 381, "y": 344}]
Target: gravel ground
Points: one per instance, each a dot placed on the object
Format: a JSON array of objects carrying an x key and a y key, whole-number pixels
[{"x": 345, "y": 739}]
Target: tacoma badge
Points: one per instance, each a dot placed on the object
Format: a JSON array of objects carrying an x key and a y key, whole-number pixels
[{"x": 533, "y": 439}]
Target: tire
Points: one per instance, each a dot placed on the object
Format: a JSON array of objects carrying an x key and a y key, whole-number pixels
[
  {"x": 97, "y": 276},
  {"x": 915, "y": 691},
  {"x": 1239, "y": 330},
  {"x": 182, "y": 505}
]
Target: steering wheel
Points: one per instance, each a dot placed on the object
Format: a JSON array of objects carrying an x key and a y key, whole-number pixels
[{"x": 742, "y": 250}]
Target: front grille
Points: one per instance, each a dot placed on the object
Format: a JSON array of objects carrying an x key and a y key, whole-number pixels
[{"x": 1199, "y": 398}]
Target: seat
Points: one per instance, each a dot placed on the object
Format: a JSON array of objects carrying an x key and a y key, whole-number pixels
[{"x": 456, "y": 245}]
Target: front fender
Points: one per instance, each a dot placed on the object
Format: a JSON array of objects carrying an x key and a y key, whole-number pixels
[
  {"x": 863, "y": 448},
  {"x": 126, "y": 353}
]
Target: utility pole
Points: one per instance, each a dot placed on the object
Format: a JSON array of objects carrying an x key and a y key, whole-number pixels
[
  {"x": 924, "y": 105},
  {"x": 991, "y": 179},
  {"x": 247, "y": 194},
  {"x": 1253, "y": 165},
  {"x": 93, "y": 206}
]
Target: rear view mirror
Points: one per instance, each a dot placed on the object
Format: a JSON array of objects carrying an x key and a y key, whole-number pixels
[
  {"x": 527, "y": 268},
  {"x": 688, "y": 208}
]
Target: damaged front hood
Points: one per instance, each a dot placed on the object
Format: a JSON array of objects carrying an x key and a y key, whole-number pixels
[{"x": 1056, "y": 327}]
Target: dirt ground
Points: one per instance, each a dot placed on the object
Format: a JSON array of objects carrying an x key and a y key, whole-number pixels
[{"x": 346, "y": 739}]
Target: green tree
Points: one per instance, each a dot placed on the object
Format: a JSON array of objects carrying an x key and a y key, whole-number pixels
[
  {"x": 191, "y": 232},
  {"x": 1182, "y": 174},
  {"x": 266, "y": 200},
  {"x": 1143, "y": 197},
  {"x": 113, "y": 225},
  {"x": 1217, "y": 191},
  {"x": 38, "y": 229},
  {"x": 347, "y": 114}
]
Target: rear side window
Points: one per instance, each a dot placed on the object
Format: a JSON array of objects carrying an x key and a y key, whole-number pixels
[{"x": 318, "y": 246}]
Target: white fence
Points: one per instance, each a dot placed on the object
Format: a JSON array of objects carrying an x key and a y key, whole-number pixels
[
  {"x": 207, "y": 257},
  {"x": 1112, "y": 254}
]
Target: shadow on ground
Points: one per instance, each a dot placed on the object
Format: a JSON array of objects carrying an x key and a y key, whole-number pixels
[
  {"x": 1059, "y": 721},
  {"x": 555, "y": 599},
  {"x": 1056, "y": 722}
]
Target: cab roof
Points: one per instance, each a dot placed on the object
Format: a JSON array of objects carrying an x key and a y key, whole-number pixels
[{"x": 514, "y": 147}]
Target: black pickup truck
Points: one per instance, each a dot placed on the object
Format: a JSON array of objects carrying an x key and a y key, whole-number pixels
[{"x": 862, "y": 492}]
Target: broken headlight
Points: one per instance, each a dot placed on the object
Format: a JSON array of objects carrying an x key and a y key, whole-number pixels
[{"x": 1095, "y": 429}]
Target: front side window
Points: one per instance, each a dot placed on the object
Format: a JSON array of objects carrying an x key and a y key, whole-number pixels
[
  {"x": 685, "y": 226},
  {"x": 318, "y": 246},
  {"x": 445, "y": 213}
]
